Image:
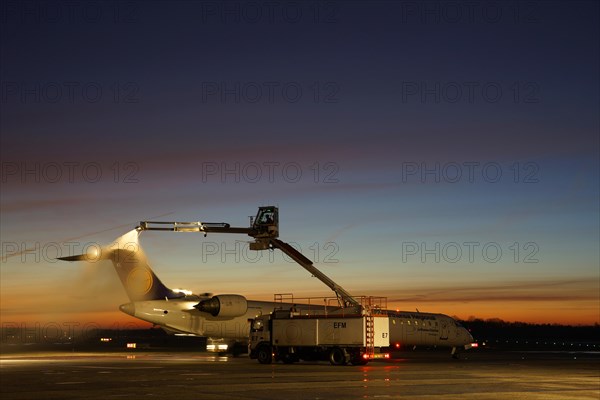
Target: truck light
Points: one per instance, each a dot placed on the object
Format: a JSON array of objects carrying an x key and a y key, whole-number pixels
[{"x": 367, "y": 356}]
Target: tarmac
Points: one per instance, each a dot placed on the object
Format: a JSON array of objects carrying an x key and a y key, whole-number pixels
[{"x": 188, "y": 375}]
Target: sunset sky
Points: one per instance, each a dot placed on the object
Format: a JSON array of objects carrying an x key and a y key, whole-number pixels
[{"x": 442, "y": 154}]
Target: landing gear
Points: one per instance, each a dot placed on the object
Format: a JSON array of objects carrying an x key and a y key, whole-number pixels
[{"x": 454, "y": 353}]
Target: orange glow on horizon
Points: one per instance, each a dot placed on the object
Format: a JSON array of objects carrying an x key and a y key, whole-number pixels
[
  {"x": 104, "y": 312},
  {"x": 119, "y": 320}
]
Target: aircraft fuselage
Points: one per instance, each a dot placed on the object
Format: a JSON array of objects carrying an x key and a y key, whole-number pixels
[{"x": 180, "y": 316}]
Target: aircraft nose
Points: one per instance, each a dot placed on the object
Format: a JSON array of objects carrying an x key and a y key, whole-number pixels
[
  {"x": 469, "y": 336},
  {"x": 128, "y": 308}
]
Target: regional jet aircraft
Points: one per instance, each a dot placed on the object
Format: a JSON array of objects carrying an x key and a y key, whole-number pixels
[{"x": 225, "y": 319}]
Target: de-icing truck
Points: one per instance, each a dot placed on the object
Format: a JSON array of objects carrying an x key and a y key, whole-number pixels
[{"x": 339, "y": 336}]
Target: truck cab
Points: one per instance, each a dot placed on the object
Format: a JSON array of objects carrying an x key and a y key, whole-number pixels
[{"x": 259, "y": 344}]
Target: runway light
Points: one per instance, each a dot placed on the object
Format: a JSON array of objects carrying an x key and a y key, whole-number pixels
[
  {"x": 131, "y": 345},
  {"x": 397, "y": 345},
  {"x": 386, "y": 355},
  {"x": 474, "y": 345}
]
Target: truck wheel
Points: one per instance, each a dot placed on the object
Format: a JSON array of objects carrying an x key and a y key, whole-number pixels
[
  {"x": 337, "y": 356},
  {"x": 264, "y": 355},
  {"x": 288, "y": 358}
]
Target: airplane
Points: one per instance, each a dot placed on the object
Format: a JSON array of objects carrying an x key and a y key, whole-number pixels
[{"x": 225, "y": 319}]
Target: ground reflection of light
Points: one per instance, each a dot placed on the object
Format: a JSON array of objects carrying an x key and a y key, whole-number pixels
[
  {"x": 15, "y": 361},
  {"x": 370, "y": 381}
]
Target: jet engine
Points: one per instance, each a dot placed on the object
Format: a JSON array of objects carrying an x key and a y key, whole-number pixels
[{"x": 224, "y": 305}]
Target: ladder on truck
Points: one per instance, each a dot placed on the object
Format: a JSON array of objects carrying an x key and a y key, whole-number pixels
[
  {"x": 371, "y": 306},
  {"x": 370, "y": 335}
]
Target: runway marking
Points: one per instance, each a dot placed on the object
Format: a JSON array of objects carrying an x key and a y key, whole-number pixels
[
  {"x": 125, "y": 368},
  {"x": 199, "y": 374}
]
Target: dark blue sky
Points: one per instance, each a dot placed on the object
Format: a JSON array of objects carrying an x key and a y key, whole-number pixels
[{"x": 360, "y": 98}]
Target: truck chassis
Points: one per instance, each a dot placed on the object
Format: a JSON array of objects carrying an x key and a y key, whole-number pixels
[{"x": 290, "y": 337}]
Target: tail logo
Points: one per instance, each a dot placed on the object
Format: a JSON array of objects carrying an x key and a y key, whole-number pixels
[{"x": 139, "y": 281}]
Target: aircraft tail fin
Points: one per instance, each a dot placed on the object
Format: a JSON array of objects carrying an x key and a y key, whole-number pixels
[{"x": 130, "y": 262}]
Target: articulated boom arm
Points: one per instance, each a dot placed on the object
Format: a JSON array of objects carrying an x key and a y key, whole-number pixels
[
  {"x": 341, "y": 293},
  {"x": 264, "y": 228},
  {"x": 264, "y": 225},
  {"x": 204, "y": 227}
]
